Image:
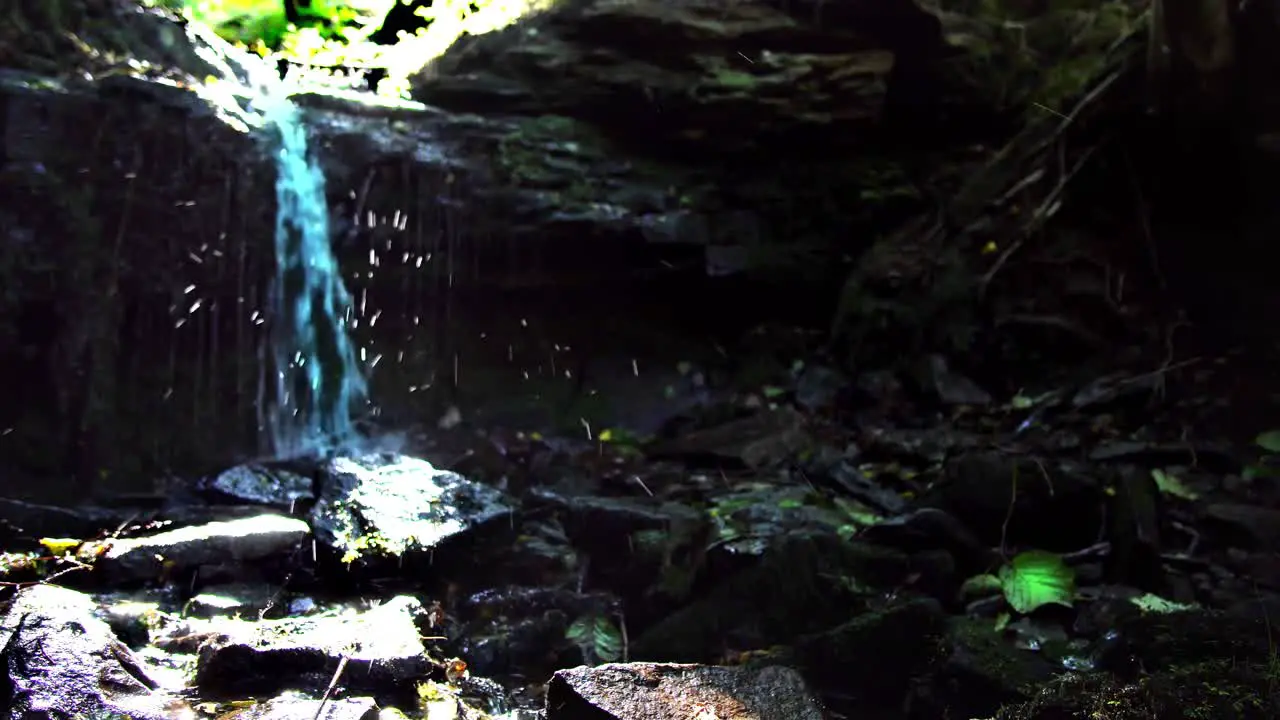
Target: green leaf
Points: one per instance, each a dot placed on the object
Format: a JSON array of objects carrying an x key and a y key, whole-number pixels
[
  {"x": 978, "y": 586},
  {"x": 1269, "y": 441},
  {"x": 1002, "y": 622},
  {"x": 857, "y": 512},
  {"x": 1036, "y": 578},
  {"x": 1150, "y": 603},
  {"x": 1173, "y": 485},
  {"x": 1255, "y": 472},
  {"x": 596, "y": 636}
]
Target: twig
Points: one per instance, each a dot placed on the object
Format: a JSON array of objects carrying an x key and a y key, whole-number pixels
[
  {"x": 1008, "y": 516},
  {"x": 333, "y": 683},
  {"x": 1144, "y": 217},
  {"x": 1053, "y": 321},
  {"x": 49, "y": 580},
  {"x": 1045, "y": 210},
  {"x": 626, "y": 643}
]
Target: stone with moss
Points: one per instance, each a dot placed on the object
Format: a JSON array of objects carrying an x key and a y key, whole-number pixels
[{"x": 1189, "y": 665}]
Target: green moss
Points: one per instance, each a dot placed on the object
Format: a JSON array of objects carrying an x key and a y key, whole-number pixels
[
  {"x": 551, "y": 152},
  {"x": 735, "y": 80},
  {"x": 995, "y": 656},
  {"x": 1203, "y": 689},
  {"x": 1022, "y": 56}
]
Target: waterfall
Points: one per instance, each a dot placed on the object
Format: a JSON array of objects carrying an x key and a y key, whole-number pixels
[
  {"x": 318, "y": 380},
  {"x": 320, "y": 383}
]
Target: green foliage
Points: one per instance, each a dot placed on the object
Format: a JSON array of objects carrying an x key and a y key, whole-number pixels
[
  {"x": 1036, "y": 578},
  {"x": 334, "y": 33},
  {"x": 1029, "y": 581},
  {"x": 1150, "y": 603},
  {"x": 253, "y": 21},
  {"x": 597, "y": 637},
  {"x": 1269, "y": 441},
  {"x": 1269, "y": 464},
  {"x": 1025, "y": 55},
  {"x": 1170, "y": 484},
  {"x": 42, "y": 36}
]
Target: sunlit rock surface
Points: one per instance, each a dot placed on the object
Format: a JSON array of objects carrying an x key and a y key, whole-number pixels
[
  {"x": 244, "y": 540},
  {"x": 656, "y": 691},
  {"x": 58, "y": 659},
  {"x": 381, "y": 647},
  {"x": 262, "y": 484},
  {"x": 389, "y": 505}
]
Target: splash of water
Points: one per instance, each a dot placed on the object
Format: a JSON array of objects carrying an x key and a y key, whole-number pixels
[{"x": 320, "y": 383}]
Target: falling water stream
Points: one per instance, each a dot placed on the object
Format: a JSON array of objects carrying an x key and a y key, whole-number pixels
[
  {"x": 320, "y": 383},
  {"x": 317, "y": 381}
]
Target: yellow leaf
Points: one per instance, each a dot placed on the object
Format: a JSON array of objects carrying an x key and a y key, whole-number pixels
[{"x": 60, "y": 546}]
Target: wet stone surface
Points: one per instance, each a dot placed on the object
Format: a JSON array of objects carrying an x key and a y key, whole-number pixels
[{"x": 610, "y": 473}]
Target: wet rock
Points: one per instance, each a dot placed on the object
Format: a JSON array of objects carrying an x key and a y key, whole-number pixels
[
  {"x": 751, "y": 519},
  {"x": 929, "y": 529},
  {"x": 59, "y": 660},
  {"x": 1207, "y": 456},
  {"x": 842, "y": 56},
  {"x": 279, "y": 487},
  {"x": 1247, "y": 525},
  {"x": 818, "y": 388},
  {"x": 883, "y": 390},
  {"x": 522, "y": 630},
  {"x": 754, "y": 441},
  {"x": 382, "y": 648},
  {"x": 917, "y": 446},
  {"x": 1263, "y": 568},
  {"x": 1179, "y": 665},
  {"x": 245, "y": 599},
  {"x": 216, "y": 544},
  {"x": 131, "y": 615},
  {"x": 25, "y": 520},
  {"x": 648, "y": 531},
  {"x": 593, "y": 520},
  {"x": 831, "y": 467},
  {"x": 873, "y": 657},
  {"x": 985, "y": 670},
  {"x": 802, "y": 584},
  {"x": 1260, "y": 607},
  {"x": 1163, "y": 640},
  {"x": 389, "y": 506},
  {"x": 1115, "y": 388},
  {"x": 1058, "y": 504},
  {"x": 295, "y": 706},
  {"x": 655, "y": 691},
  {"x": 953, "y": 388}
]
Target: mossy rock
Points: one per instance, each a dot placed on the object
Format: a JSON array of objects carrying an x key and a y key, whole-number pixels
[
  {"x": 1180, "y": 666},
  {"x": 1205, "y": 690},
  {"x": 797, "y": 588},
  {"x": 1026, "y": 57}
]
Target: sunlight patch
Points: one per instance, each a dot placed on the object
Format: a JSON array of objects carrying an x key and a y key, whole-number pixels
[
  {"x": 450, "y": 20},
  {"x": 329, "y": 47}
]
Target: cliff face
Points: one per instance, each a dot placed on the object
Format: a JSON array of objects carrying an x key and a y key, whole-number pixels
[{"x": 709, "y": 156}]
